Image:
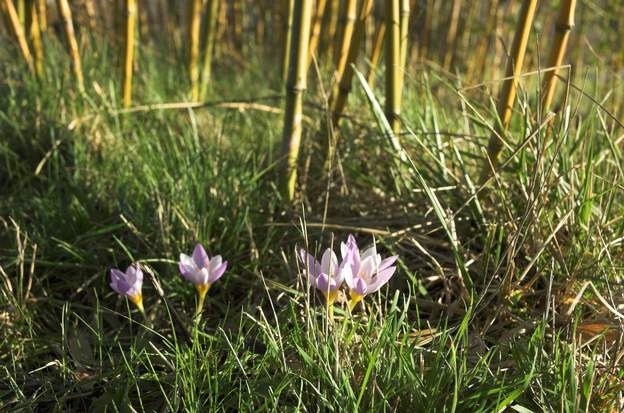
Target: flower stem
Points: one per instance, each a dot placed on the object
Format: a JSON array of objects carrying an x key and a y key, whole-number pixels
[{"x": 202, "y": 290}]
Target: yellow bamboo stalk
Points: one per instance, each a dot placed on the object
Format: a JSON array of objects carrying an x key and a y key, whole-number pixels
[
  {"x": 477, "y": 66},
  {"x": 42, "y": 12},
  {"x": 403, "y": 41},
  {"x": 35, "y": 37},
  {"x": 66, "y": 15},
  {"x": 507, "y": 95},
  {"x": 209, "y": 43},
  {"x": 21, "y": 12},
  {"x": 295, "y": 87},
  {"x": 338, "y": 100},
  {"x": 451, "y": 34},
  {"x": 131, "y": 12},
  {"x": 393, "y": 65},
  {"x": 90, "y": 10},
  {"x": 332, "y": 26},
  {"x": 194, "y": 30},
  {"x": 564, "y": 25},
  {"x": 18, "y": 32},
  {"x": 376, "y": 54},
  {"x": 347, "y": 33},
  {"x": 316, "y": 28}
]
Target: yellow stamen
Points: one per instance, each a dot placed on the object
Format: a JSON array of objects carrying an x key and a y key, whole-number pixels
[
  {"x": 330, "y": 297},
  {"x": 355, "y": 299},
  {"x": 202, "y": 290}
]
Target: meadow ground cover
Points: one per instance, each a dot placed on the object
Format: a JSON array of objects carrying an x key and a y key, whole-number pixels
[{"x": 399, "y": 277}]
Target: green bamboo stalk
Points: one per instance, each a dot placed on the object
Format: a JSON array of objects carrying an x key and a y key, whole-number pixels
[
  {"x": 290, "y": 7},
  {"x": 131, "y": 12},
  {"x": 564, "y": 25},
  {"x": 295, "y": 86},
  {"x": 316, "y": 28},
  {"x": 376, "y": 54},
  {"x": 393, "y": 65},
  {"x": 66, "y": 14},
  {"x": 18, "y": 32},
  {"x": 209, "y": 43},
  {"x": 194, "y": 30},
  {"x": 508, "y": 92}
]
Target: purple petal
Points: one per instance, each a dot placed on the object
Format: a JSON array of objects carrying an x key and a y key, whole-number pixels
[
  {"x": 387, "y": 262},
  {"x": 381, "y": 279},
  {"x": 311, "y": 267},
  {"x": 329, "y": 262},
  {"x": 118, "y": 282},
  {"x": 325, "y": 283},
  {"x": 360, "y": 287},
  {"x": 200, "y": 257},
  {"x": 217, "y": 273}
]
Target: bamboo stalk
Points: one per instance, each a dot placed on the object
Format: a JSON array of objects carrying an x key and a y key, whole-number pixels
[
  {"x": 194, "y": 31},
  {"x": 131, "y": 12},
  {"x": 35, "y": 36},
  {"x": 42, "y": 12},
  {"x": 403, "y": 42},
  {"x": 90, "y": 10},
  {"x": 451, "y": 35},
  {"x": 477, "y": 68},
  {"x": 209, "y": 43},
  {"x": 564, "y": 25},
  {"x": 332, "y": 26},
  {"x": 507, "y": 95},
  {"x": 393, "y": 65},
  {"x": 21, "y": 12},
  {"x": 295, "y": 86},
  {"x": 376, "y": 54},
  {"x": 18, "y": 32},
  {"x": 339, "y": 99},
  {"x": 347, "y": 33},
  {"x": 65, "y": 12},
  {"x": 290, "y": 7},
  {"x": 316, "y": 28}
]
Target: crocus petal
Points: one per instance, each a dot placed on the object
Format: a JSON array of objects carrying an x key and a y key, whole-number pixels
[
  {"x": 187, "y": 264},
  {"x": 368, "y": 269},
  {"x": 326, "y": 283},
  {"x": 329, "y": 262},
  {"x": 134, "y": 278},
  {"x": 359, "y": 287},
  {"x": 215, "y": 262},
  {"x": 387, "y": 262},
  {"x": 218, "y": 272},
  {"x": 311, "y": 267},
  {"x": 200, "y": 257},
  {"x": 118, "y": 282},
  {"x": 381, "y": 279}
]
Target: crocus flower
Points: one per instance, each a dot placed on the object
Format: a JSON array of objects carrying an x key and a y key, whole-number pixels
[
  {"x": 368, "y": 271},
  {"x": 129, "y": 284},
  {"x": 202, "y": 271},
  {"x": 328, "y": 275}
]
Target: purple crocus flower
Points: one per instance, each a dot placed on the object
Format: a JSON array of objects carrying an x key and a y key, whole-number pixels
[
  {"x": 202, "y": 271},
  {"x": 369, "y": 272},
  {"x": 328, "y": 275},
  {"x": 129, "y": 284}
]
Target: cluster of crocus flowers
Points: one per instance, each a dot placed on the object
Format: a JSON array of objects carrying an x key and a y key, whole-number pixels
[
  {"x": 364, "y": 272},
  {"x": 199, "y": 269},
  {"x": 129, "y": 284}
]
